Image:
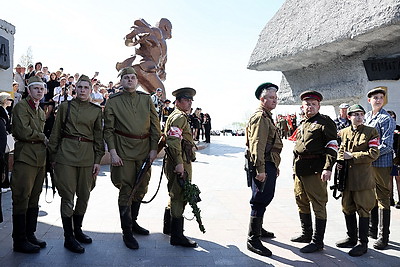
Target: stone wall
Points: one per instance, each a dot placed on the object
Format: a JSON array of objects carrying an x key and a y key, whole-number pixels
[
  {"x": 321, "y": 45},
  {"x": 7, "y": 32}
]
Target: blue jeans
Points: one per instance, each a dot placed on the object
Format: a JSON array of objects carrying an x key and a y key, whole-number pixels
[{"x": 260, "y": 200}]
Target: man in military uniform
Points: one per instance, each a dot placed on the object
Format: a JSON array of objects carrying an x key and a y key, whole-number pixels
[
  {"x": 29, "y": 167},
  {"x": 264, "y": 147},
  {"x": 131, "y": 131},
  {"x": 180, "y": 145},
  {"x": 76, "y": 147},
  {"x": 359, "y": 148},
  {"x": 315, "y": 153},
  {"x": 383, "y": 122}
]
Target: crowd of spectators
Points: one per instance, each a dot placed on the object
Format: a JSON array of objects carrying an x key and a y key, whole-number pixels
[{"x": 201, "y": 125}]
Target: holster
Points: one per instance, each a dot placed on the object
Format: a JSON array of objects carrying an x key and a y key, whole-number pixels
[
  {"x": 249, "y": 168},
  {"x": 187, "y": 150}
]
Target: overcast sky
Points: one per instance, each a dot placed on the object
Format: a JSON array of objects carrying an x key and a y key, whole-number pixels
[{"x": 210, "y": 47}]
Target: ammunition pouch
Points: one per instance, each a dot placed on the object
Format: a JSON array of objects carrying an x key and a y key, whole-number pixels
[{"x": 306, "y": 165}]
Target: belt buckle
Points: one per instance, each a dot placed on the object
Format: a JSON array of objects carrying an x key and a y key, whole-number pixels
[{"x": 80, "y": 139}]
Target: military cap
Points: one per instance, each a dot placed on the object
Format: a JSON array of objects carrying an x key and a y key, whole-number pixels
[
  {"x": 376, "y": 90},
  {"x": 84, "y": 78},
  {"x": 126, "y": 70},
  {"x": 311, "y": 94},
  {"x": 263, "y": 86},
  {"x": 185, "y": 92},
  {"x": 159, "y": 90},
  {"x": 344, "y": 105},
  {"x": 167, "y": 101},
  {"x": 35, "y": 80},
  {"x": 355, "y": 108}
]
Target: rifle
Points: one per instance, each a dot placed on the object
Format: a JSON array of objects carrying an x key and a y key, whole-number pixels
[
  {"x": 191, "y": 193},
  {"x": 145, "y": 168},
  {"x": 339, "y": 181}
]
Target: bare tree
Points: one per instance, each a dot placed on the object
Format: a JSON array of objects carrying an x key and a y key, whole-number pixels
[{"x": 27, "y": 58}]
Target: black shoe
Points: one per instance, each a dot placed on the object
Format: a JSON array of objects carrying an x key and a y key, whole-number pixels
[
  {"x": 79, "y": 235},
  {"x": 177, "y": 238},
  {"x": 312, "y": 247},
  {"x": 317, "y": 243},
  {"x": 25, "y": 246},
  {"x": 306, "y": 227},
  {"x": 20, "y": 242},
  {"x": 137, "y": 229},
  {"x": 346, "y": 243},
  {"x": 72, "y": 245},
  {"x": 257, "y": 247},
  {"x": 351, "y": 226},
  {"x": 359, "y": 250},
  {"x": 266, "y": 234},
  {"x": 31, "y": 224},
  {"x": 253, "y": 240},
  {"x": 126, "y": 225},
  {"x": 130, "y": 241},
  {"x": 383, "y": 241},
  {"x": 38, "y": 242}
]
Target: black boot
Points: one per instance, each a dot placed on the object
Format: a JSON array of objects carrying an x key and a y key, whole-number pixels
[
  {"x": 384, "y": 217},
  {"x": 317, "y": 243},
  {"x": 136, "y": 228},
  {"x": 20, "y": 242},
  {"x": 31, "y": 223},
  {"x": 126, "y": 225},
  {"x": 253, "y": 240},
  {"x": 306, "y": 228},
  {"x": 79, "y": 235},
  {"x": 177, "y": 237},
  {"x": 266, "y": 234},
  {"x": 70, "y": 242},
  {"x": 351, "y": 239},
  {"x": 373, "y": 223},
  {"x": 167, "y": 221},
  {"x": 362, "y": 246}
]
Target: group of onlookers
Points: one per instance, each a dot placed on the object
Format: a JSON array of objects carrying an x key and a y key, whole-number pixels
[{"x": 201, "y": 125}]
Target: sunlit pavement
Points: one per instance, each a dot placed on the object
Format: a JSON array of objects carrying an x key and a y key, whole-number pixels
[{"x": 219, "y": 174}]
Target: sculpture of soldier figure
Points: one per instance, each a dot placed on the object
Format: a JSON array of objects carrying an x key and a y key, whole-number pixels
[{"x": 150, "y": 53}]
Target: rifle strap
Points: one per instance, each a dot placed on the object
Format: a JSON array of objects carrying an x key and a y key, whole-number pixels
[
  {"x": 64, "y": 125},
  {"x": 53, "y": 187},
  {"x": 159, "y": 183}
]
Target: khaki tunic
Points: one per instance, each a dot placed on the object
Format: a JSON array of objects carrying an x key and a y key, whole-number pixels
[
  {"x": 364, "y": 153},
  {"x": 316, "y": 137},
  {"x": 177, "y": 128},
  {"x": 261, "y": 132},
  {"x": 29, "y": 155},
  {"x": 359, "y": 195},
  {"x": 132, "y": 114},
  {"x": 75, "y": 158}
]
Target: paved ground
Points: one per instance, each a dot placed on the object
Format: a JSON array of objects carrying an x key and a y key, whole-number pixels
[{"x": 225, "y": 210}]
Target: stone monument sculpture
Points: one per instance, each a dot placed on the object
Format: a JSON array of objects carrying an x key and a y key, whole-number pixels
[{"x": 150, "y": 53}]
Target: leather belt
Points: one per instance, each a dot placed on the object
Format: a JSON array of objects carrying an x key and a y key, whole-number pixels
[
  {"x": 310, "y": 156},
  {"x": 31, "y": 142},
  {"x": 79, "y": 138},
  {"x": 143, "y": 136}
]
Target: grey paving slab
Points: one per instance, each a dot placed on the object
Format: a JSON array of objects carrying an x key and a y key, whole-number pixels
[{"x": 219, "y": 173}]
